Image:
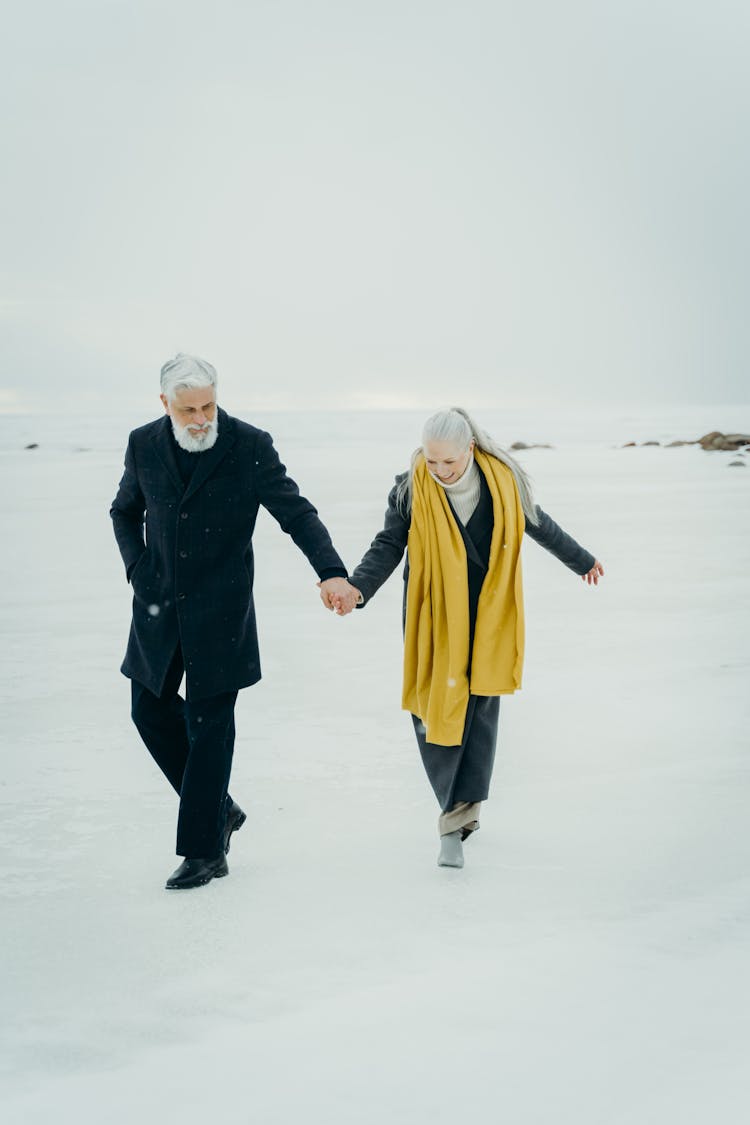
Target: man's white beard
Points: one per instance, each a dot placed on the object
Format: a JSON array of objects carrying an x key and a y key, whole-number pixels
[{"x": 191, "y": 444}]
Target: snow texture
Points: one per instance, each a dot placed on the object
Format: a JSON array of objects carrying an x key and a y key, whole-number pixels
[{"x": 588, "y": 965}]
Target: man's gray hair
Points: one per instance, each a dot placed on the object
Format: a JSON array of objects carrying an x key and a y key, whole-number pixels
[{"x": 186, "y": 372}]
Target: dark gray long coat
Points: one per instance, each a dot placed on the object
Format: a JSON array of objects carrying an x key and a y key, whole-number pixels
[
  {"x": 192, "y": 577},
  {"x": 388, "y": 546},
  {"x": 461, "y": 773}
]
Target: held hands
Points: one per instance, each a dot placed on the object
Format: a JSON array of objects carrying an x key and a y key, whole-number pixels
[
  {"x": 337, "y": 594},
  {"x": 594, "y": 574},
  {"x": 340, "y": 596}
]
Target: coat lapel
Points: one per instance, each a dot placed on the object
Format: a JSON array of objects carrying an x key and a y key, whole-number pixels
[
  {"x": 477, "y": 526},
  {"x": 165, "y": 453},
  {"x": 482, "y": 522},
  {"x": 208, "y": 461},
  {"x": 471, "y": 549}
]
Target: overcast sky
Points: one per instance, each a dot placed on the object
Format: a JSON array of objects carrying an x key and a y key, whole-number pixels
[{"x": 393, "y": 203}]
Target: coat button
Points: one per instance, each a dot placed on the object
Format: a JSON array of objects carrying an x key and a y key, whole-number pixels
[
  {"x": 181, "y": 597},
  {"x": 183, "y": 554},
  {"x": 183, "y": 515}
]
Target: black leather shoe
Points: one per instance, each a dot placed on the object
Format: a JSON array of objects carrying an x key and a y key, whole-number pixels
[
  {"x": 197, "y": 872},
  {"x": 235, "y": 819}
]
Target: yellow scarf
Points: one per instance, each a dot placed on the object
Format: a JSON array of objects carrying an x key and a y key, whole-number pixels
[{"x": 436, "y": 640}]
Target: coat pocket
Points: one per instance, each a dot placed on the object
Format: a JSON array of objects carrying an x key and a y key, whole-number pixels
[{"x": 137, "y": 573}]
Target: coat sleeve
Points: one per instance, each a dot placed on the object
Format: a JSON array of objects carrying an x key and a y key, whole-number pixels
[
  {"x": 296, "y": 516},
  {"x": 386, "y": 550},
  {"x": 128, "y": 511},
  {"x": 563, "y": 546}
]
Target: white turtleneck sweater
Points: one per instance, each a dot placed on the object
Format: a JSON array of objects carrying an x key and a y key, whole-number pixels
[{"x": 464, "y": 492}]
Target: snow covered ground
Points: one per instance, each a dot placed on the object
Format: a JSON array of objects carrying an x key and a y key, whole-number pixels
[{"x": 589, "y": 964}]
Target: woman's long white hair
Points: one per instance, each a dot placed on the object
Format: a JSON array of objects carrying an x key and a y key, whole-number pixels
[{"x": 457, "y": 426}]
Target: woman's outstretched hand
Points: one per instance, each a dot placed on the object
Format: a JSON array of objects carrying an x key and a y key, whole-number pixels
[
  {"x": 339, "y": 595},
  {"x": 594, "y": 574}
]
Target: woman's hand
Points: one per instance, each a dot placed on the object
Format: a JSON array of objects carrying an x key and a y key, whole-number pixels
[
  {"x": 594, "y": 574},
  {"x": 339, "y": 595},
  {"x": 345, "y": 603}
]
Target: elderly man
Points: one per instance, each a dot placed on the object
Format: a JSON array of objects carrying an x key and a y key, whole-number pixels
[{"x": 198, "y": 477}]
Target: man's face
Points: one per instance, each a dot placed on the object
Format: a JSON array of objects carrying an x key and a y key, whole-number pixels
[
  {"x": 194, "y": 409},
  {"x": 193, "y": 416}
]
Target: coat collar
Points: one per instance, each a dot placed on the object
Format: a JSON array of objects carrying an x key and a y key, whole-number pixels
[
  {"x": 206, "y": 462},
  {"x": 165, "y": 452},
  {"x": 471, "y": 549}
]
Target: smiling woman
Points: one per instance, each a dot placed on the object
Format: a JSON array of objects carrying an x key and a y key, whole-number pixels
[
  {"x": 460, "y": 512},
  {"x": 446, "y": 460},
  {"x": 448, "y": 440}
]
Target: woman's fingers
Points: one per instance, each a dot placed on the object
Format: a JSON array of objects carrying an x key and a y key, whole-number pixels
[
  {"x": 341, "y": 605},
  {"x": 340, "y": 601},
  {"x": 593, "y": 575}
]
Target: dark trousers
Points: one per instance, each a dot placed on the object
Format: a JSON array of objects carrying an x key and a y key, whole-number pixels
[
  {"x": 463, "y": 773},
  {"x": 192, "y": 744}
]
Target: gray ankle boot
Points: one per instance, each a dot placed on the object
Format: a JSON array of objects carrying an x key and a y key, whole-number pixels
[{"x": 451, "y": 850}]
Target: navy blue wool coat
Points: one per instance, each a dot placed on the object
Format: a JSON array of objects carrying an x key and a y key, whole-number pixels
[{"x": 192, "y": 574}]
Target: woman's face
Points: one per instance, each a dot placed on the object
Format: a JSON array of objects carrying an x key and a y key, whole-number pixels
[{"x": 446, "y": 460}]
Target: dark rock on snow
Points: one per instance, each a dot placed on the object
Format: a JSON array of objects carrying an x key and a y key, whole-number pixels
[
  {"x": 726, "y": 442},
  {"x": 522, "y": 445},
  {"x": 729, "y": 443}
]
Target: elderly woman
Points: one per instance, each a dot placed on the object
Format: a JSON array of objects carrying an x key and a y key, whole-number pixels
[{"x": 461, "y": 512}]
